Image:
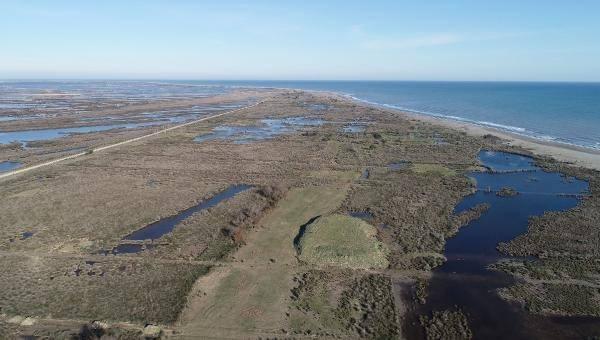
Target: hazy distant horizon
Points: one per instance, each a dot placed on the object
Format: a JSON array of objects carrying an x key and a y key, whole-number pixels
[{"x": 295, "y": 80}]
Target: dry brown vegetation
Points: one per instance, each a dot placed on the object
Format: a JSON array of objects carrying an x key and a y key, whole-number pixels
[
  {"x": 107, "y": 289},
  {"x": 332, "y": 302},
  {"x": 77, "y": 208}
]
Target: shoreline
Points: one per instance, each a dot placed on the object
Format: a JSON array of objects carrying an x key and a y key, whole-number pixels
[
  {"x": 572, "y": 154},
  {"x": 568, "y": 153}
]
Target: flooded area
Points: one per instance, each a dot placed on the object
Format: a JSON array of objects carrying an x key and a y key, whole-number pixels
[
  {"x": 77, "y": 96},
  {"x": 24, "y": 137},
  {"x": 268, "y": 129},
  {"x": 365, "y": 174},
  {"x": 26, "y": 107},
  {"x": 363, "y": 215},
  {"x": 11, "y": 118},
  {"x": 157, "y": 229},
  {"x": 130, "y": 248},
  {"x": 149, "y": 119},
  {"x": 317, "y": 107},
  {"x": 354, "y": 127},
  {"x": 9, "y": 166},
  {"x": 26, "y": 235},
  {"x": 399, "y": 165},
  {"x": 465, "y": 282}
]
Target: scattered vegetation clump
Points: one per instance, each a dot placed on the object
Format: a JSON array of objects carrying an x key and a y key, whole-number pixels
[
  {"x": 555, "y": 298},
  {"x": 507, "y": 192},
  {"x": 447, "y": 325},
  {"x": 436, "y": 169},
  {"x": 344, "y": 303},
  {"x": 344, "y": 241},
  {"x": 554, "y": 286},
  {"x": 368, "y": 307},
  {"x": 421, "y": 291},
  {"x": 314, "y": 302},
  {"x": 272, "y": 192},
  {"x": 492, "y": 138}
]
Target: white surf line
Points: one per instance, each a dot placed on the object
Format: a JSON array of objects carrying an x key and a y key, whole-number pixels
[{"x": 110, "y": 146}]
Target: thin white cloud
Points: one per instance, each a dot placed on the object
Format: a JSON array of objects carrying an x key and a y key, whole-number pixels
[
  {"x": 430, "y": 40},
  {"x": 416, "y": 41}
]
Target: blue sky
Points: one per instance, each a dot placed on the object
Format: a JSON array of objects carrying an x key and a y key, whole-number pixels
[{"x": 387, "y": 40}]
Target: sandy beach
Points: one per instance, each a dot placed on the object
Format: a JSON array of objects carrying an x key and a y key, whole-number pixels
[{"x": 581, "y": 156}]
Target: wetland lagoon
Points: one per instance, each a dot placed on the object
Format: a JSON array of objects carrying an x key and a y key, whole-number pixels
[
  {"x": 466, "y": 284},
  {"x": 306, "y": 215}
]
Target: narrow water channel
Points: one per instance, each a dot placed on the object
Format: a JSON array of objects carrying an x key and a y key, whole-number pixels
[
  {"x": 156, "y": 230},
  {"x": 464, "y": 282},
  {"x": 159, "y": 228}
]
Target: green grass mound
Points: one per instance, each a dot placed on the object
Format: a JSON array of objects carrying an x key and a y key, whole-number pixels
[{"x": 345, "y": 241}]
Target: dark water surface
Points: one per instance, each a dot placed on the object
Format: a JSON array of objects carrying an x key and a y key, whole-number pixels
[
  {"x": 157, "y": 229},
  {"x": 269, "y": 128},
  {"x": 464, "y": 280},
  {"x": 49, "y": 134},
  {"x": 363, "y": 215},
  {"x": 9, "y": 165},
  {"x": 399, "y": 165}
]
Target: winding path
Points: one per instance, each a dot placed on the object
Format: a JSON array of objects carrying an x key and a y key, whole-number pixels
[{"x": 110, "y": 146}]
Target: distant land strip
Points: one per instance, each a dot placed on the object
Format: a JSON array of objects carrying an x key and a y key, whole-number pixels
[{"x": 110, "y": 146}]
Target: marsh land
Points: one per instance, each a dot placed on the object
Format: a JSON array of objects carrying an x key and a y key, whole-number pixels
[{"x": 298, "y": 215}]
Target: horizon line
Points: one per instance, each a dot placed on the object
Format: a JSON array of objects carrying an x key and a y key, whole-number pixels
[{"x": 294, "y": 80}]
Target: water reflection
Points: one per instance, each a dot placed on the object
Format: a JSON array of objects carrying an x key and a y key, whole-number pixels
[{"x": 464, "y": 280}]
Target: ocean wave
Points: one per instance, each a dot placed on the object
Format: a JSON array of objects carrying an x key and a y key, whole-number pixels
[{"x": 502, "y": 127}]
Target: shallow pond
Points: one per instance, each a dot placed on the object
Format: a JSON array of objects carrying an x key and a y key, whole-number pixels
[
  {"x": 317, "y": 106},
  {"x": 363, "y": 215},
  {"x": 108, "y": 123},
  {"x": 49, "y": 134},
  {"x": 269, "y": 128},
  {"x": 399, "y": 165},
  {"x": 9, "y": 166},
  {"x": 354, "y": 128},
  {"x": 464, "y": 280},
  {"x": 365, "y": 174},
  {"x": 503, "y": 161}
]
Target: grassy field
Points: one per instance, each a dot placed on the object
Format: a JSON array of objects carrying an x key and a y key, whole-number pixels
[
  {"x": 339, "y": 240},
  {"x": 251, "y": 296}
]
